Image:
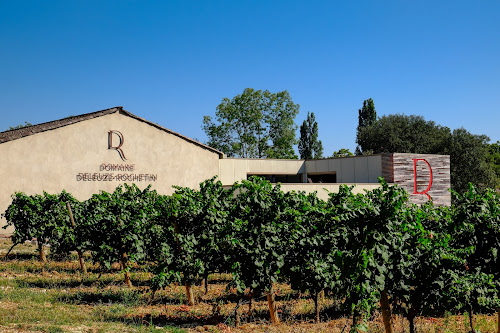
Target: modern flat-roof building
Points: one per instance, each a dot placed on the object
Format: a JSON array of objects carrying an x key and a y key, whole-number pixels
[{"x": 100, "y": 150}]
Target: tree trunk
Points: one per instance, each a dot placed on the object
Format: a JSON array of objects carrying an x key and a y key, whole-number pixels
[
  {"x": 498, "y": 321},
  {"x": 189, "y": 293},
  {"x": 73, "y": 224},
  {"x": 317, "y": 296},
  {"x": 43, "y": 256},
  {"x": 8, "y": 252},
  {"x": 237, "y": 319},
  {"x": 250, "y": 298},
  {"x": 272, "y": 306},
  {"x": 124, "y": 261},
  {"x": 386, "y": 311},
  {"x": 411, "y": 320},
  {"x": 471, "y": 322},
  {"x": 82, "y": 262},
  {"x": 206, "y": 283}
]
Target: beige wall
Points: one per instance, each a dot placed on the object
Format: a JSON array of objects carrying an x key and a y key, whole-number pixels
[
  {"x": 50, "y": 161},
  {"x": 232, "y": 170},
  {"x": 358, "y": 169}
]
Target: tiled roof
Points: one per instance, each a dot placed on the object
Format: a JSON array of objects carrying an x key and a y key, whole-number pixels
[{"x": 30, "y": 130}]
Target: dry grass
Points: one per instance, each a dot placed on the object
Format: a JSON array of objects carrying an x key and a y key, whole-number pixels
[{"x": 56, "y": 297}]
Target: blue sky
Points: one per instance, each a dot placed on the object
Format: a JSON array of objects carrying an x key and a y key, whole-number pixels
[{"x": 172, "y": 62}]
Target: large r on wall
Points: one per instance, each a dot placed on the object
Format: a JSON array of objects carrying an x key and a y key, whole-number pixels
[
  {"x": 415, "y": 191},
  {"x": 120, "y": 144}
]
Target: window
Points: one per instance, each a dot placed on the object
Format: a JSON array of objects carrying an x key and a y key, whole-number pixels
[
  {"x": 322, "y": 178},
  {"x": 291, "y": 178}
]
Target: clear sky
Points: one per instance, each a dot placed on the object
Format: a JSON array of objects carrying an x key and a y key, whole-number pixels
[{"x": 172, "y": 62}]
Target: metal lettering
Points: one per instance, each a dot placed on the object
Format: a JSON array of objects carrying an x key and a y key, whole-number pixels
[
  {"x": 107, "y": 176},
  {"x": 117, "y": 148}
]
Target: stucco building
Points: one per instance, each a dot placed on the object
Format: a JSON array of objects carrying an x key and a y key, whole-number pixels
[{"x": 97, "y": 151}]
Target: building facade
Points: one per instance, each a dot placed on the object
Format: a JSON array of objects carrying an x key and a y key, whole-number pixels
[{"x": 100, "y": 150}]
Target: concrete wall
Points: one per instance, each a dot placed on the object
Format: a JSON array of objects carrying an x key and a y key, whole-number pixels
[
  {"x": 356, "y": 169},
  {"x": 359, "y": 169},
  {"x": 232, "y": 170},
  {"x": 70, "y": 157}
]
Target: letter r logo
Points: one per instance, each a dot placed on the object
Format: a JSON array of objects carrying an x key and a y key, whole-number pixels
[
  {"x": 415, "y": 177},
  {"x": 120, "y": 144}
]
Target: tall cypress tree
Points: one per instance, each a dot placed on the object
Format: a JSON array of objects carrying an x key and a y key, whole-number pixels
[
  {"x": 309, "y": 145},
  {"x": 366, "y": 117}
]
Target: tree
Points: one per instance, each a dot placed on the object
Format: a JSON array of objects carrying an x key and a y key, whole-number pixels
[
  {"x": 26, "y": 124},
  {"x": 366, "y": 117},
  {"x": 399, "y": 133},
  {"x": 309, "y": 145},
  {"x": 343, "y": 152},
  {"x": 255, "y": 124},
  {"x": 282, "y": 128},
  {"x": 469, "y": 160},
  {"x": 494, "y": 160}
]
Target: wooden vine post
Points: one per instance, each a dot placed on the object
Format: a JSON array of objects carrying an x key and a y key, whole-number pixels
[
  {"x": 272, "y": 306},
  {"x": 124, "y": 260},
  {"x": 205, "y": 280},
  {"x": 250, "y": 298},
  {"x": 80, "y": 254},
  {"x": 317, "y": 297},
  {"x": 41, "y": 250},
  {"x": 189, "y": 293}
]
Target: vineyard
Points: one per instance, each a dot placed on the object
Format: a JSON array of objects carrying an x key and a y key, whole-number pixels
[{"x": 355, "y": 257}]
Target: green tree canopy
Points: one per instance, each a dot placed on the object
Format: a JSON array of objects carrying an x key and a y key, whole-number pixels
[
  {"x": 399, "y": 133},
  {"x": 255, "y": 124},
  {"x": 494, "y": 159},
  {"x": 469, "y": 160},
  {"x": 309, "y": 145},
  {"x": 343, "y": 152}
]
